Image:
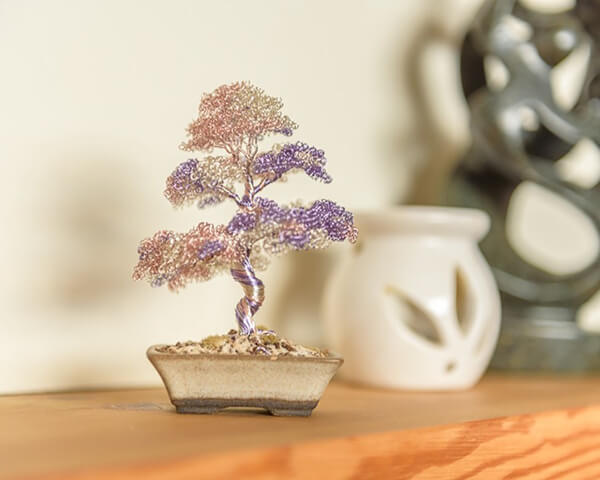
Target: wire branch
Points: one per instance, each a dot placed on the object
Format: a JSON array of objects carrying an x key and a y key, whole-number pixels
[
  {"x": 230, "y": 193},
  {"x": 264, "y": 182}
]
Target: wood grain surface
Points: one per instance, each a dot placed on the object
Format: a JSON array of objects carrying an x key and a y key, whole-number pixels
[{"x": 354, "y": 433}]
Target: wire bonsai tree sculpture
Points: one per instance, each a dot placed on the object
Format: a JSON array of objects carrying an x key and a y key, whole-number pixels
[{"x": 233, "y": 119}]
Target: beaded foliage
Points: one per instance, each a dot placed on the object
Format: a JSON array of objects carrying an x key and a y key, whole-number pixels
[{"x": 233, "y": 119}]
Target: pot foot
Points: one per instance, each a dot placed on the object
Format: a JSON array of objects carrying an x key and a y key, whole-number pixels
[
  {"x": 196, "y": 409},
  {"x": 297, "y": 412},
  {"x": 277, "y": 408}
]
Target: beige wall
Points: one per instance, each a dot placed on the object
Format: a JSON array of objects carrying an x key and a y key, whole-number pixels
[{"x": 94, "y": 99}]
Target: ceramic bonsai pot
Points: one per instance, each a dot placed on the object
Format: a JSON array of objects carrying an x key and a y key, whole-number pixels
[{"x": 207, "y": 383}]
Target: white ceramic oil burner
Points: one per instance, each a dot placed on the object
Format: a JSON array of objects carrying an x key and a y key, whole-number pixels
[{"x": 415, "y": 305}]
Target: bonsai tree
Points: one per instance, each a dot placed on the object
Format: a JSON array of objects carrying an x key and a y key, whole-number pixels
[{"x": 232, "y": 120}]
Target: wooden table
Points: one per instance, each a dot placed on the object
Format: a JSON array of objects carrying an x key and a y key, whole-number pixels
[{"x": 506, "y": 427}]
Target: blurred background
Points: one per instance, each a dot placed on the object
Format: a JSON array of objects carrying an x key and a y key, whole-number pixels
[{"x": 94, "y": 102}]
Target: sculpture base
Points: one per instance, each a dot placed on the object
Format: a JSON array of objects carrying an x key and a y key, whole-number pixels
[{"x": 537, "y": 343}]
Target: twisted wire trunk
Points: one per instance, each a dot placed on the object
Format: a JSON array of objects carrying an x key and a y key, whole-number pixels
[{"x": 254, "y": 294}]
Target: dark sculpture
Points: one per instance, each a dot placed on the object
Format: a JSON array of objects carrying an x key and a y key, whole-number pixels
[{"x": 539, "y": 329}]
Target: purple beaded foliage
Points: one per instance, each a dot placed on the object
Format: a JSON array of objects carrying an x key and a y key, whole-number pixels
[
  {"x": 241, "y": 222},
  {"x": 185, "y": 179},
  {"x": 288, "y": 132},
  {"x": 293, "y": 156},
  {"x": 205, "y": 182},
  {"x": 209, "y": 249},
  {"x": 296, "y": 225}
]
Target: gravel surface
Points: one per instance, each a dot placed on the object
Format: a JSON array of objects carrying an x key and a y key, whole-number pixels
[{"x": 263, "y": 342}]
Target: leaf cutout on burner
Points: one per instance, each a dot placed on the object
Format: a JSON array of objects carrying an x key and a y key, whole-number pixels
[
  {"x": 464, "y": 302},
  {"x": 414, "y": 317}
]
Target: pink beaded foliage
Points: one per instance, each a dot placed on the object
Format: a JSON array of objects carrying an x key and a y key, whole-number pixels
[{"x": 233, "y": 119}]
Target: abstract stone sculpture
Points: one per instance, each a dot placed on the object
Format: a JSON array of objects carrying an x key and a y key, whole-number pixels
[{"x": 521, "y": 129}]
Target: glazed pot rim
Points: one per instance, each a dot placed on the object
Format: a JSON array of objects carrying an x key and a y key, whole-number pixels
[
  {"x": 153, "y": 353},
  {"x": 421, "y": 219}
]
